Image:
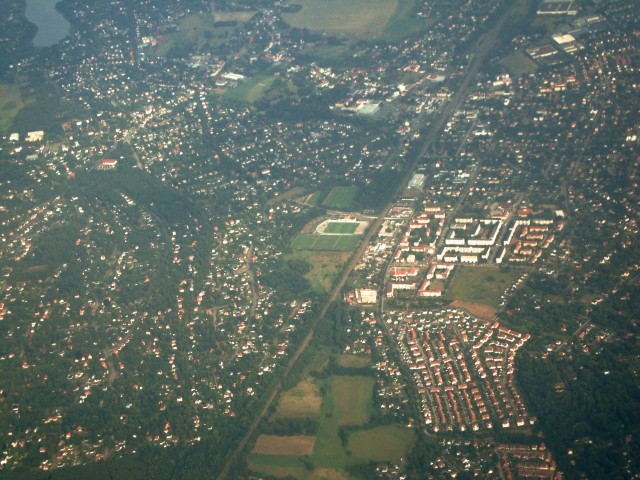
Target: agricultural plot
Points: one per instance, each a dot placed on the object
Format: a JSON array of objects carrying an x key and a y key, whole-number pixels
[
  {"x": 334, "y": 401},
  {"x": 334, "y": 243},
  {"x": 276, "y": 465},
  {"x": 341, "y": 197},
  {"x": 381, "y": 444},
  {"x": 294, "y": 445}
]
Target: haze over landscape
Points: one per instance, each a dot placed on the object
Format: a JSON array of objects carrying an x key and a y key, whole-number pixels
[{"x": 374, "y": 239}]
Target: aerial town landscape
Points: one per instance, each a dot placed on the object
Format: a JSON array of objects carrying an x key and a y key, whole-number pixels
[{"x": 318, "y": 239}]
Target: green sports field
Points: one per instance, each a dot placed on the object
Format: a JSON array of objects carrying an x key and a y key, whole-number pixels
[
  {"x": 341, "y": 227},
  {"x": 341, "y": 197}
]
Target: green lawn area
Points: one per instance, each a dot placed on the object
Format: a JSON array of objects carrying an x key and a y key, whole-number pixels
[
  {"x": 481, "y": 285},
  {"x": 353, "y": 399},
  {"x": 10, "y": 104},
  {"x": 331, "y": 243},
  {"x": 354, "y": 361},
  {"x": 371, "y": 19},
  {"x": 353, "y": 18},
  {"x": 341, "y": 197},
  {"x": 250, "y": 90},
  {"x": 314, "y": 200},
  {"x": 403, "y": 22},
  {"x": 341, "y": 227},
  {"x": 198, "y": 33},
  {"x": 381, "y": 444},
  {"x": 338, "y": 400},
  {"x": 303, "y": 400},
  {"x": 348, "y": 401},
  {"x": 326, "y": 267},
  {"x": 276, "y": 465}
]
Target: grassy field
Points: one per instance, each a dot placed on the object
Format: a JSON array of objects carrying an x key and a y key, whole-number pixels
[
  {"x": 329, "y": 474},
  {"x": 331, "y": 243},
  {"x": 354, "y": 361},
  {"x": 348, "y": 402},
  {"x": 314, "y": 200},
  {"x": 303, "y": 400},
  {"x": 251, "y": 90},
  {"x": 353, "y": 399},
  {"x": 294, "y": 445},
  {"x": 10, "y": 104},
  {"x": 276, "y": 465},
  {"x": 198, "y": 31},
  {"x": 380, "y": 444},
  {"x": 341, "y": 227},
  {"x": 403, "y": 23},
  {"x": 480, "y": 285},
  {"x": 355, "y": 18},
  {"x": 325, "y": 267},
  {"x": 240, "y": 17},
  {"x": 341, "y": 197},
  {"x": 334, "y": 401}
]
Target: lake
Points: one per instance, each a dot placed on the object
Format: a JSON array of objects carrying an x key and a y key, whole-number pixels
[{"x": 52, "y": 26}]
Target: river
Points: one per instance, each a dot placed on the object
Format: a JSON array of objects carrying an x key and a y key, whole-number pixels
[{"x": 52, "y": 26}]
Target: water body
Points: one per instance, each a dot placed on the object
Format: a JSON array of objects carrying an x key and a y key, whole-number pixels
[{"x": 52, "y": 26}]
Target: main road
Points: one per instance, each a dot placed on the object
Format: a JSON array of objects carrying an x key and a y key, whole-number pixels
[{"x": 484, "y": 48}]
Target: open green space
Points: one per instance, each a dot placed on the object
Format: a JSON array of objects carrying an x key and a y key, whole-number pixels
[
  {"x": 403, "y": 22},
  {"x": 336, "y": 402},
  {"x": 354, "y": 361},
  {"x": 326, "y": 267},
  {"x": 381, "y": 444},
  {"x": 250, "y": 90},
  {"x": 331, "y": 243},
  {"x": 303, "y": 400},
  {"x": 276, "y": 465},
  {"x": 341, "y": 227},
  {"x": 352, "y": 399},
  {"x": 292, "y": 445},
  {"x": 349, "y": 401},
  {"x": 341, "y": 197},
  {"x": 355, "y": 18},
  {"x": 10, "y": 104},
  {"x": 199, "y": 32},
  {"x": 480, "y": 285},
  {"x": 314, "y": 200}
]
